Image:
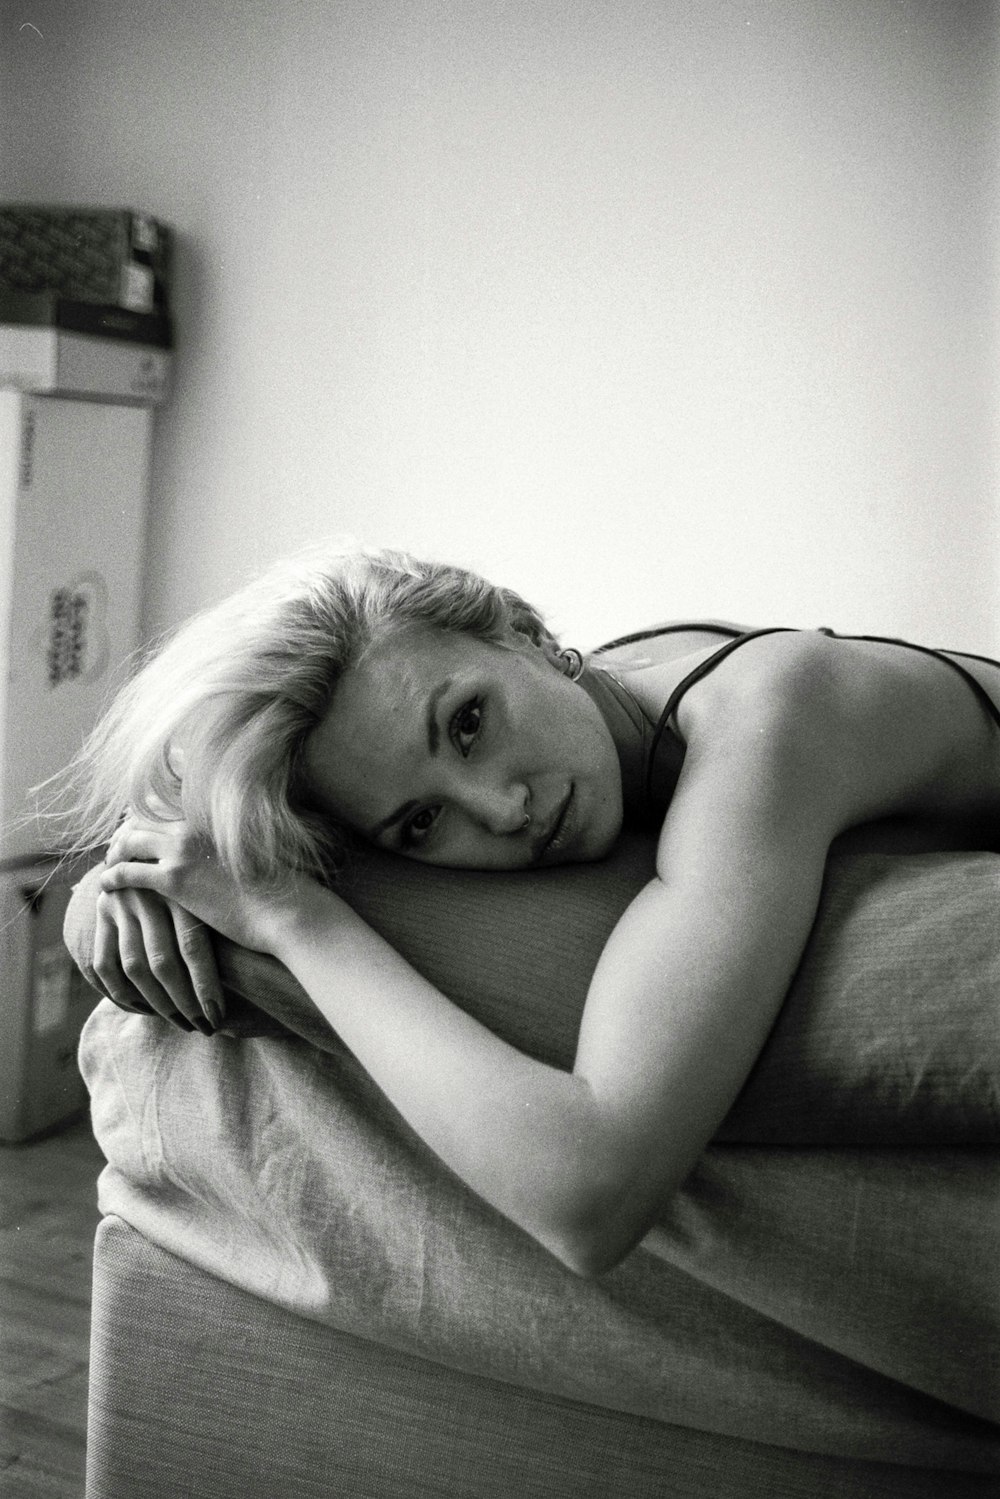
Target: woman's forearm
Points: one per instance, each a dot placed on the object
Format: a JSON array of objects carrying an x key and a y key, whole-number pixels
[
  {"x": 679, "y": 1006},
  {"x": 527, "y": 1137}
]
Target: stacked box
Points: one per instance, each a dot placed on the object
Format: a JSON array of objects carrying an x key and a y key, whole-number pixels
[
  {"x": 50, "y": 344},
  {"x": 84, "y": 314},
  {"x": 73, "y": 479},
  {"x": 72, "y": 519},
  {"x": 112, "y": 256},
  {"x": 84, "y": 303}
]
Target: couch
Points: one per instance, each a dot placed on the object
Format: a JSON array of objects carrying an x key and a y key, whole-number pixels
[{"x": 293, "y": 1296}]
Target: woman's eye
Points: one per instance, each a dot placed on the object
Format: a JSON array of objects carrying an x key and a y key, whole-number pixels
[
  {"x": 419, "y": 826},
  {"x": 467, "y": 724}
]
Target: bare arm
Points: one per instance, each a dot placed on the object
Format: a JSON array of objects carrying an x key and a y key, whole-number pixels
[{"x": 783, "y": 753}]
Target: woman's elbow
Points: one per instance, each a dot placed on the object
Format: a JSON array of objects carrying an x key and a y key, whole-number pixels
[
  {"x": 589, "y": 1259},
  {"x": 597, "y": 1240},
  {"x": 606, "y": 1193}
]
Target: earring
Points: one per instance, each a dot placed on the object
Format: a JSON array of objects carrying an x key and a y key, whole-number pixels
[{"x": 572, "y": 662}]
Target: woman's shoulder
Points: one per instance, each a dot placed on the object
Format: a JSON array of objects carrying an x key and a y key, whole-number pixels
[
  {"x": 764, "y": 675},
  {"x": 662, "y": 669}
]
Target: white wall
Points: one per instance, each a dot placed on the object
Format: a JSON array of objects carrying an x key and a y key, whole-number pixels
[{"x": 650, "y": 309}]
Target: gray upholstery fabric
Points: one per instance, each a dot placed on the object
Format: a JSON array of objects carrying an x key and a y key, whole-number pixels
[
  {"x": 835, "y": 1301},
  {"x": 198, "y": 1389}
]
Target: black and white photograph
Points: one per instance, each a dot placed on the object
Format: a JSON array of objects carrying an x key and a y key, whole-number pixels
[{"x": 500, "y": 640}]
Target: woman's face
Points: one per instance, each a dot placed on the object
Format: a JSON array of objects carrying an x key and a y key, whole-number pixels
[{"x": 455, "y": 751}]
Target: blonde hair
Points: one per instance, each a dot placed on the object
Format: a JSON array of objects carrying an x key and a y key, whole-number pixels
[{"x": 213, "y": 725}]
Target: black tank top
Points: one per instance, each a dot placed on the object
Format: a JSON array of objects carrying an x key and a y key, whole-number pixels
[{"x": 651, "y": 753}]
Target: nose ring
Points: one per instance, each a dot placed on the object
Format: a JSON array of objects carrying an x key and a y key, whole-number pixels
[{"x": 527, "y": 819}]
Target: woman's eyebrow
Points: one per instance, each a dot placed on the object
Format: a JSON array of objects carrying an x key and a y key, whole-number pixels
[
  {"x": 433, "y": 744},
  {"x": 433, "y": 733}
]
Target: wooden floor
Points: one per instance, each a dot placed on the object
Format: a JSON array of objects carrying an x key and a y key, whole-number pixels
[{"x": 48, "y": 1213}]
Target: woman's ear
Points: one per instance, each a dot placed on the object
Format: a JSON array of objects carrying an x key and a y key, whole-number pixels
[
  {"x": 550, "y": 650},
  {"x": 567, "y": 661},
  {"x": 572, "y": 662}
]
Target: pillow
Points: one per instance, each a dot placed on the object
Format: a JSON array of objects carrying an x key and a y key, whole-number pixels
[{"x": 889, "y": 1034}]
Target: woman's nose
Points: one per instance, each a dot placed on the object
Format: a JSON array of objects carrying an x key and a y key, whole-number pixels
[{"x": 500, "y": 810}]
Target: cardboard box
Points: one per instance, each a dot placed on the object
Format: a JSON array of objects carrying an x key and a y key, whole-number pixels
[
  {"x": 60, "y": 362},
  {"x": 44, "y": 1001},
  {"x": 73, "y": 485},
  {"x": 110, "y": 255},
  {"x": 46, "y": 309},
  {"x": 52, "y": 344}
]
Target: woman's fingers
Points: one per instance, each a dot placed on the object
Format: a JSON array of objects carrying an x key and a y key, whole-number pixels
[
  {"x": 169, "y": 860},
  {"x": 137, "y": 876},
  {"x": 154, "y": 856},
  {"x": 194, "y": 944},
  {"x": 156, "y": 966},
  {"x": 139, "y": 960},
  {"x": 108, "y": 973},
  {"x": 119, "y": 962},
  {"x": 143, "y": 841}
]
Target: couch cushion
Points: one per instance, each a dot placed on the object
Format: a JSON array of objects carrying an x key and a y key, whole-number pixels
[{"x": 326, "y": 1414}]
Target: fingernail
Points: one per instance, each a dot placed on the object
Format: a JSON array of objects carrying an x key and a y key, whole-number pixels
[{"x": 183, "y": 1022}]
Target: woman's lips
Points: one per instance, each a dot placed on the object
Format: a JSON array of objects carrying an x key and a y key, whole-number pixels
[{"x": 562, "y": 829}]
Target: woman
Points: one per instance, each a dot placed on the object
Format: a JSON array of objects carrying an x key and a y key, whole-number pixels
[{"x": 423, "y": 710}]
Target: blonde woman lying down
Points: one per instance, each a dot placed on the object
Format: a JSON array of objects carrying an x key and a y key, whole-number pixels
[{"x": 426, "y": 711}]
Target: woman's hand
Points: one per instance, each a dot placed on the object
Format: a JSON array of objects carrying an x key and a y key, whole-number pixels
[
  {"x": 181, "y": 866},
  {"x": 153, "y": 957}
]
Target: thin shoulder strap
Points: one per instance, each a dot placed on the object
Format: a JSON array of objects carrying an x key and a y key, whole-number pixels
[
  {"x": 940, "y": 655},
  {"x": 709, "y": 665},
  {"x": 699, "y": 672},
  {"x": 734, "y": 639},
  {"x": 678, "y": 629}
]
